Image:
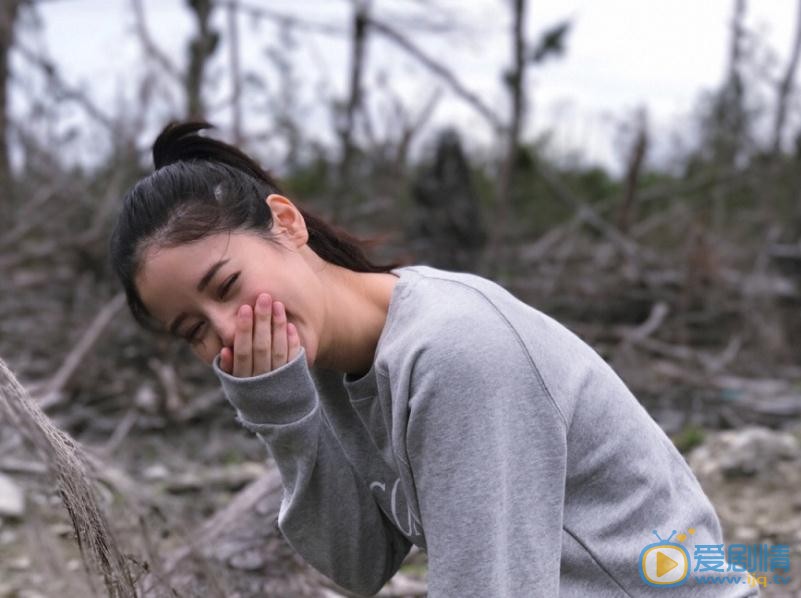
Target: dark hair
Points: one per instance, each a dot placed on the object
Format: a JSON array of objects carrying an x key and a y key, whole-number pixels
[{"x": 203, "y": 186}]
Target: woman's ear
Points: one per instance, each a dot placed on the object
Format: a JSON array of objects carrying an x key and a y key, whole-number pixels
[{"x": 287, "y": 219}]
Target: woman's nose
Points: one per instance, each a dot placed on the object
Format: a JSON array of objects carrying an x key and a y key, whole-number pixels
[{"x": 223, "y": 322}]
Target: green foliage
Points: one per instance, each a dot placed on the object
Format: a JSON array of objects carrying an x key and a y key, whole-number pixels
[
  {"x": 534, "y": 200},
  {"x": 232, "y": 457},
  {"x": 310, "y": 178},
  {"x": 414, "y": 569},
  {"x": 690, "y": 437},
  {"x": 595, "y": 185},
  {"x": 553, "y": 42}
]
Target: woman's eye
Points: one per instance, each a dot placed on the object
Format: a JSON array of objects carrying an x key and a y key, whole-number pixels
[
  {"x": 227, "y": 286},
  {"x": 193, "y": 335}
]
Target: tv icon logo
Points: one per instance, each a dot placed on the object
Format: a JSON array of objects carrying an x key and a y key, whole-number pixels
[{"x": 664, "y": 563}]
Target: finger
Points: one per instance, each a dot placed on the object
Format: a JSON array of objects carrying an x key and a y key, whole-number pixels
[
  {"x": 243, "y": 341},
  {"x": 293, "y": 339},
  {"x": 279, "y": 348},
  {"x": 262, "y": 334},
  {"x": 226, "y": 360}
]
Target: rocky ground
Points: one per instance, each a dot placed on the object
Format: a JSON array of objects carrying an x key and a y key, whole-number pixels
[
  {"x": 183, "y": 476},
  {"x": 751, "y": 475}
]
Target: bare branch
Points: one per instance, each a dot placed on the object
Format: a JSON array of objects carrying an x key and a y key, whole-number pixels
[
  {"x": 260, "y": 12},
  {"x": 414, "y": 125},
  {"x": 358, "y": 50},
  {"x": 150, "y": 46},
  {"x": 515, "y": 81},
  {"x": 786, "y": 85},
  {"x": 439, "y": 70},
  {"x": 69, "y": 91},
  {"x": 634, "y": 169},
  {"x": 587, "y": 213},
  {"x": 73, "y": 361},
  {"x": 236, "y": 74},
  {"x": 201, "y": 48}
]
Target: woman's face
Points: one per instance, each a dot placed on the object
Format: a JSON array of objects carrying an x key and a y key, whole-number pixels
[{"x": 196, "y": 289}]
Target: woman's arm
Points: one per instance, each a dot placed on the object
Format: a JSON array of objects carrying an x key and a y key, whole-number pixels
[
  {"x": 327, "y": 513},
  {"x": 487, "y": 448}
]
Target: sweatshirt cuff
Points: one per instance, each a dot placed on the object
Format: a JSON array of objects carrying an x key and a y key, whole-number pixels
[{"x": 280, "y": 396}]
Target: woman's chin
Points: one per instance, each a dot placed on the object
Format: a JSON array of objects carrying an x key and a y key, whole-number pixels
[{"x": 310, "y": 357}]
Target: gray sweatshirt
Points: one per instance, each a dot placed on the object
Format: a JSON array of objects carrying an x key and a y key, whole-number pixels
[{"x": 493, "y": 438}]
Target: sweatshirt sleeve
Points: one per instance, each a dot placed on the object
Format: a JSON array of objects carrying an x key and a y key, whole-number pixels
[
  {"x": 327, "y": 513},
  {"x": 487, "y": 448}
]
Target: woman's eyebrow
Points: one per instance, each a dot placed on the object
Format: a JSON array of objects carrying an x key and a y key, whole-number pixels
[{"x": 210, "y": 274}]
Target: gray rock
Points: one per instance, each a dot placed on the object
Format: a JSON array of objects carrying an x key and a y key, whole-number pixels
[
  {"x": 12, "y": 500},
  {"x": 752, "y": 451}
]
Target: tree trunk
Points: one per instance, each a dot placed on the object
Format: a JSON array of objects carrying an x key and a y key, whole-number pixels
[
  {"x": 358, "y": 50},
  {"x": 516, "y": 81},
  {"x": 633, "y": 170},
  {"x": 236, "y": 73},
  {"x": 201, "y": 47},
  {"x": 8, "y": 16},
  {"x": 786, "y": 85}
]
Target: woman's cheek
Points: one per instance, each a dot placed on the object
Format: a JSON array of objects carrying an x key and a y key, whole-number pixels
[{"x": 205, "y": 352}]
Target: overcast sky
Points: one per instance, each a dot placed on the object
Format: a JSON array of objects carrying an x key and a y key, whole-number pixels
[{"x": 621, "y": 54}]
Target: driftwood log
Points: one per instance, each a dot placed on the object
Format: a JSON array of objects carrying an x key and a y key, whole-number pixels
[{"x": 239, "y": 551}]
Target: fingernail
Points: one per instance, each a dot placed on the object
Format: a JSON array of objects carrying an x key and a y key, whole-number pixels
[
  {"x": 264, "y": 301},
  {"x": 278, "y": 308},
  {"x": 244, "y": 311}
]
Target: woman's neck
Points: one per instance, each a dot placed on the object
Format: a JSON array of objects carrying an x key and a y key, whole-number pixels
[{"x": 356, "y": 312}]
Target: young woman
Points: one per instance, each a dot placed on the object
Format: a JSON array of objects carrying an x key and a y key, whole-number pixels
[{"x": 406, "y": 404}]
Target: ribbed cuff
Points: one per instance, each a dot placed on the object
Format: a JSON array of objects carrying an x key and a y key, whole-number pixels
[{"x": 280, "y": 396}]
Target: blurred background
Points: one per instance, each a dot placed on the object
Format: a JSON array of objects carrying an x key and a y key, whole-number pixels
[{"x": 632, "y": 169}]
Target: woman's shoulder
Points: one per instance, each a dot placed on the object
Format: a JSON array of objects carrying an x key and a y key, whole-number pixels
[
  {"x": 464, "y": 333},
  {"x": 442, "y": 279},
  {"x": 452, "y": 310},
  {"x": 451, "y": 289},
  {"x": 468, "y": 319},
  {"x": 455, "y": 296}
]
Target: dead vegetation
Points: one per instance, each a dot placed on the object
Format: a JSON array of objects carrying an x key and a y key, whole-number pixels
[{"x": 122, "y": 470}]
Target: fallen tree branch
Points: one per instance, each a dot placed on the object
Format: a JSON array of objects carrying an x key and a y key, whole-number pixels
[
  {"x": 50, "y": 394},
  {"x": 68, "y": 464},
  {"x": 586, "y": 213}
]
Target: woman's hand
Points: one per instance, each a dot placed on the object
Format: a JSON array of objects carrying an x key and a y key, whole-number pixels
[{"x": 263, "y": 341}]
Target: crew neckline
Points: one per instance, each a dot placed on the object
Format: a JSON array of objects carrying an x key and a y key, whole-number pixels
[{"x": 366, "y": 385}]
